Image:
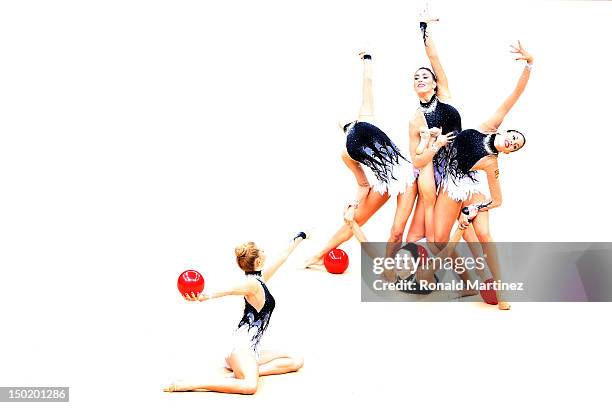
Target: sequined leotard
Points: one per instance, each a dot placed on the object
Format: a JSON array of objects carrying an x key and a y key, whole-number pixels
[
  {"x": 370, "y": 146},
  {"x": 468, "y": 147},
  {"x": 253, "y": 323},
  {"x": 446, "y": 117}
]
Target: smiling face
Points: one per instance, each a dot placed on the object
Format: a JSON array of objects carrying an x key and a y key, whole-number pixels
[
  {"x": 509, "y": 141},
  {"x": 424, "y": 81}
]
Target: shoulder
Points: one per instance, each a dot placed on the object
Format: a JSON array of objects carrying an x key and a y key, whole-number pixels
[
  {"x": 251, "y": 285},
  {"x": 445, "y": 97},
  {"x": 418, "y": 119}
]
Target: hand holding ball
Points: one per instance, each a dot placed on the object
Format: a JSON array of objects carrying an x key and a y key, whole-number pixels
[{"x": 190, "y": 281}]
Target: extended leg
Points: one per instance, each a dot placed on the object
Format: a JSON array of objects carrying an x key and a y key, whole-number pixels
[
  {"x": 370, "y": 205},
  {"x": 427, "y": 192},
  {"x": 246, "y": 373},
  {"x": 405, "y": 202},
  {"x": 481, "y": 226},
  {"x": 416, "y": 232},
  {"x": 366, "y": 111}
]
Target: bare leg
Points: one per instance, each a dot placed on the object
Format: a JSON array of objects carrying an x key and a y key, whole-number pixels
[
  {"x": 405, "y": 202},
  {"x": 446, "y": 212},
  {"x": 427, "y": 192},
  {"x": 416, "y": 231},
  {"x": 471, "y": 239},
  {"x": 366, "y": 209},
  {"x": 481, "y": 226},
  {"x": 366, "y": 111},
  {"x": 246, "y": 373},
  {"x": 275, "y": 362}
]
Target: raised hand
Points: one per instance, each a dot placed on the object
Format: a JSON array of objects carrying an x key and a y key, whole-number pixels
[
  {"x": 425, "y": 16},
  {"x": 364, "y": 55},
  {"x": 522, "y": 53}
]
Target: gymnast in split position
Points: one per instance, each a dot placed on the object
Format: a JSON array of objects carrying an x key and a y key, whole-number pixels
[
  {"x": 367, "y": 145},
  {"x": 246, "y": 360},
  {"x": 473, "y": 150}
]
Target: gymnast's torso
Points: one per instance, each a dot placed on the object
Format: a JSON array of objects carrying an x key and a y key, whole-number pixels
[
  {"x": 467, "y": 149},
  {"x": 253, "y": 324},
  {"x": 370, "y": 146},
  {"x": 443, "y": 116}
]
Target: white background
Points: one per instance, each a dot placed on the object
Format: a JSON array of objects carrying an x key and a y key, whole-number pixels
[{"x": 139, "y": 139}]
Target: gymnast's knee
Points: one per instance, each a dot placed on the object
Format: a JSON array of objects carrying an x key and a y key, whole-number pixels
[
  {"x": 248, "y": 386},
  {"x": 396, "y": 234},
  {"x": 484, "y": 236},
  {"x": 297, "y": 363},
  {"x": 441, "y": 238}
]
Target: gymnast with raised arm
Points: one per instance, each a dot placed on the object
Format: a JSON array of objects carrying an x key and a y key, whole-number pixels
[{"x": 245, "y": 359}]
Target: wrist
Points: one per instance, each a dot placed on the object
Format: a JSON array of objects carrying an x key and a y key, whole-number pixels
[{"x": 529, "y": 64}]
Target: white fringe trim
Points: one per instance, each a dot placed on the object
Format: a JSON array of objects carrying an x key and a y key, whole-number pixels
[
  {"x": 462, "y": 189},
  {"x": 404, "y": 175}
]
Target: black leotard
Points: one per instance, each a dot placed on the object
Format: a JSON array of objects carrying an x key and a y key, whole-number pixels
[
  {"x": 446, "y": 117},
  {"x": 253, "y": 319},
  {"x": 468, "y": 147},
  {"x": 370, "y": 146}
]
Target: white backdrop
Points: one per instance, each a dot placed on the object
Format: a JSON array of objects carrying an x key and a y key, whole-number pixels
[{"x": 140, "y": 139}]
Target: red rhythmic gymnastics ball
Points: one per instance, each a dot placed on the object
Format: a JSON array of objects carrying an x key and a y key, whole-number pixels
[
  {"x": 422, "y": 252},
  {"x": 190, "y": 281},
  {"x": 336, "y": 261}
]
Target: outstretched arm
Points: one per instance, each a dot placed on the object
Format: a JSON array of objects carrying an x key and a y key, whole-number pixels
[
  {"x": 271, "y": 270},
  {"x": 492, "y": 171},
  {"x": 496, "y": 120},
  {"x": 245, "y": 288},
  {"x": 443, "y": 91},
  {"x": 366, "y": 112}
]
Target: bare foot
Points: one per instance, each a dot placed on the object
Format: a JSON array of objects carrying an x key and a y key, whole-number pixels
[
  {"x": 314, "y": 263},
  {"x": 503, "y": 305},
  {"x": 177, "y": 386}
]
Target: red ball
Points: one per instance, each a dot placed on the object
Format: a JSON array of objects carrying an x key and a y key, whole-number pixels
[
  {"x": 190, "y": 281},
  {"x": 422, "y": 252},
  {"x": 336, "y": 261}
]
